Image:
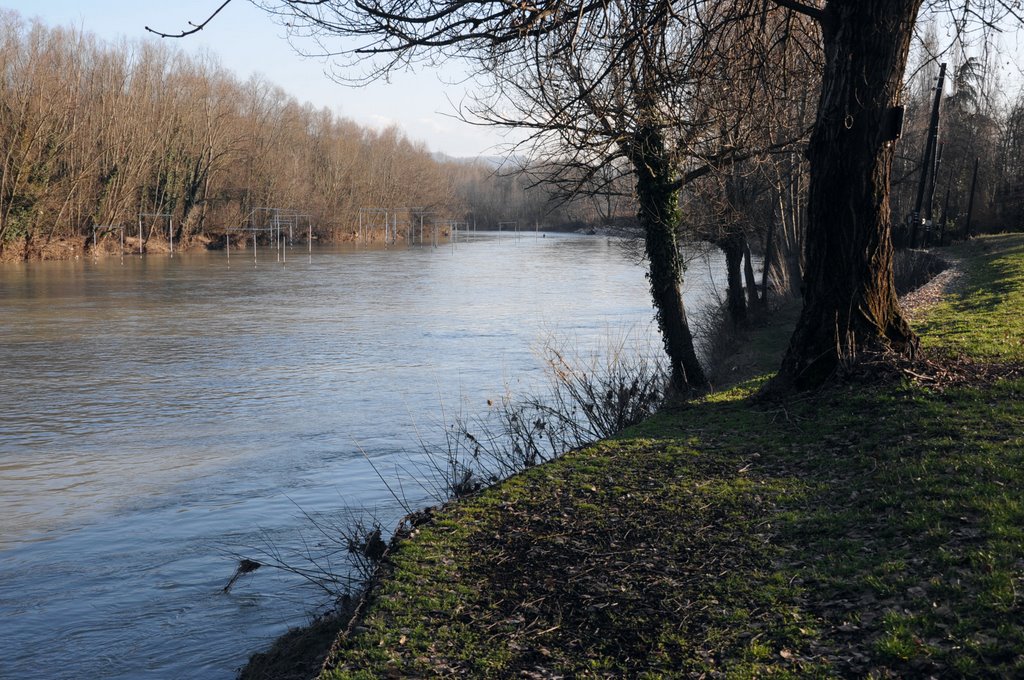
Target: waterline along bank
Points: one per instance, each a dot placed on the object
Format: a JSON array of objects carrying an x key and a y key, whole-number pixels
[{"x": 873, "y": 528}]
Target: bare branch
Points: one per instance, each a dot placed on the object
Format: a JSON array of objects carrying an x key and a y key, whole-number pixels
[
  {"x": 732, "y": 158},
  {"x": 195, "y": 27},
  {"x": 800, "y": 7}
]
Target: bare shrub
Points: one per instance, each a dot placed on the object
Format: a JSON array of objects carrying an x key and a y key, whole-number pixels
[
  {"x": 334, "y": 554},
  {"x": 716, "y": 338},
  {"x": 585, "y": 398}
]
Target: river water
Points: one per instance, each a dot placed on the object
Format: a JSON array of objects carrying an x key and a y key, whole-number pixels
[{"x": 159, "y": 414}]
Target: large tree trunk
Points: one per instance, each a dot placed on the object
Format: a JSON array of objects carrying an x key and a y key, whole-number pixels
[
  {"x": 850, "y": 304},
  {"x": 658, "y": 215},
  {"x": 732, "y": 247},
  {"x": 748, "y": 275},
  {"x": 769, "y": 252}
]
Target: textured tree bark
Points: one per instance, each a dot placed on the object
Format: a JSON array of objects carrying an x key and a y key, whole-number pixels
[
  {"x": 748, "y": 275},
  {"x": 732, "y": 247},
  {"x": 658, "y": 215},
  {"x": 850, "y": 304}
]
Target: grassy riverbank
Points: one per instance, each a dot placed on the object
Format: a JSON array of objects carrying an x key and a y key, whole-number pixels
[{"x": 873, "y": 528}]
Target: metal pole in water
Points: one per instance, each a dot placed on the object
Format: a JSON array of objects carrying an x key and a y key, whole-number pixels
[
  {"x": 254, "y": 248},
  {"x": 170, "y": 234},
  {"x": 140, "y": 234}
]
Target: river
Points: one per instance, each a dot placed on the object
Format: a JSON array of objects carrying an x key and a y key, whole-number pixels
[{"x": 160, "y": 413}]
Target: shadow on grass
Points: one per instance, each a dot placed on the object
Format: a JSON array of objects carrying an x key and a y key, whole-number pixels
[
  {"x": 996, "y": 269},
  {"x": 867, "y": 530},
  {"x": 858, "y": 530}
]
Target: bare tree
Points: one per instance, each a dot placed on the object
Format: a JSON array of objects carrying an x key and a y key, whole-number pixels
[
  {"x": 850, "y": 303},
  {"x": 95, "y": 134}
]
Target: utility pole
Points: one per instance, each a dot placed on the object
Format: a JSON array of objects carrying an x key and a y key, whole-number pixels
[
  {"x": 945, "y": 212},
  {"x": 928, "y": 162},
  {"x": 929, "y": 209},
  {"x": 970, "y": 202}
]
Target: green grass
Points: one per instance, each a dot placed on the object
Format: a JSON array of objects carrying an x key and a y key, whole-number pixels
[
  {"x": 986, "y": 320},
  {"x": 865, "y": 530}
]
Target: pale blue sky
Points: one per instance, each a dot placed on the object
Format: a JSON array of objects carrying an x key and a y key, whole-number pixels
[{"x": 247, "y": 41}]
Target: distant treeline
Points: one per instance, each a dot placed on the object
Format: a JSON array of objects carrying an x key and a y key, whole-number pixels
[{"x": 98, "y": 134}]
